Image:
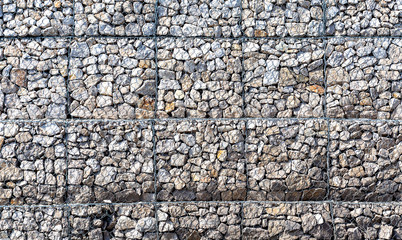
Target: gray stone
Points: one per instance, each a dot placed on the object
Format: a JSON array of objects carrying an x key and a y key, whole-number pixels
[{"x": 79, "y": 50}]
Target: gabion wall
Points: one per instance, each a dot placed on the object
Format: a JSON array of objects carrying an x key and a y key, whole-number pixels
[{"x": 200, "y": 119}]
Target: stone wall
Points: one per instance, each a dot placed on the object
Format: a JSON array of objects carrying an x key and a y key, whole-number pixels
[{"x": 200, "y": 119}]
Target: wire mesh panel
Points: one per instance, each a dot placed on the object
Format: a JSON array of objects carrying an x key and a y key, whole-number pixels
[
  {"x": 368, "y": 18},
  {"x": 287, "y": 221},
  {"x": 114, "y": 18},
  {"x": 286, "y": 160},
  {"x": 34, "y": 223},
  {"x": 209, "y": 18},
  {"x": 364, "y": 78},
  {"x": 368, "y": 221},
  {"x": 110, "y": 162},
  {"x": 32, "y": 163},
  {"x": 98, "y": 222},
  {"x": 20, "y": 18},
  {"x": 199, "y": 220},
  {"x": 112, "y": 78},
  {"x": 284, "y": 78},
  {"x": 272, "y": 18},
  {"x": 32, "y": 81},
  {"x": 200, "y": 160},
  {"x": 365, "y": 160},
  {"x": 200, "y": 119},
  {"x": 199, "y": 78}
]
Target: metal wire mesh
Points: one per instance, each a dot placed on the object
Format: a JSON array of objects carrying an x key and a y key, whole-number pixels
[{"x": 249, "y": 119}]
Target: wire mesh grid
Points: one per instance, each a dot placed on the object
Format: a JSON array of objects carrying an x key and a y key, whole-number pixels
[{"x": 52, "y": 169}]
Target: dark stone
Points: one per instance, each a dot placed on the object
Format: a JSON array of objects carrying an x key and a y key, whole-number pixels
[
  {"x": 335, "y": 112},
  {"x": 351, "y": 194},
  {"x": 147, "y": 88},
  {"x": 183, "y": 195},
  {"x": 194, "y": 236},
  {"x": 147, "y": 197},
  {"x": 102, "y": 194},
  {"x": 387, "y": 187},
  {"x": 169, "y": 236},
  {"x": 293, "y": 196},
  {"x": 316, "y": 194},
  {"x": 253, "y": 233},
  {"x": 164, "y": 195},
  {"x": 363, "y": 222},
  {"x": 354, "y": 128},
  {"x": 127, "y": 196},
  {"x": 323, "y": 231},
  {"x": 275, "y": 196},
  {"x": 204, "y": 196},
  {"x": 227, "y": 196},
  {"x": 277, "y": 186},
  {"x": 31, "y": 151},
  {"x": 240, "y": 194},
  {"x": 257, "y": 196}
]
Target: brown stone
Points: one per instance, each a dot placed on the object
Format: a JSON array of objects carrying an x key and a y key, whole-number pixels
[
  {"x": 1, "y": 141},
  {"x": 227, "y": 196},
  {"x": 194, "y": 236},
  {"x": 18, "y": 77},
  {"x": 57, "y": 4},
  {"x": 147, "y": 103},
  {"x": 260, "y": 33},
  {"x": 214, "y": 173},
  {"x": 169, "y": 107},
  {"x": 144, "y": 64},
  {"x": 317, "y": 89},
  {"x": 16, "y": 201},
  {"x": 239, "y": 194}
]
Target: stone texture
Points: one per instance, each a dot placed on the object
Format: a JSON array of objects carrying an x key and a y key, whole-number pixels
[
  {"x": 282, "y": 18},
  {"x": 34, "y": 223},
  {"x": 367, "y": 18},
  {"x": 200, "y": 160},
  {"x": 135, "y": 221},
  {"x": 287, "y": 221},
  {"x": 112, "y": 78},
  {"x": 20, "y": 18},
  {"x": 110, "y": 162},
  {"x": 368, "y": 221},
  {"x": 199, "y": 78},
  {"x": 365, "y": 159},
  {"x": 208, "y": 18},
  {"x": 32, "y": 79},
  {"x": 286, "y": 160},
  {"x": 199, "y": 221},
  {"x": 32, "y": 163},
  {"x": 284, "y": 78},
  {"x": 115, "y": 18},
  {"x": 364, "y": 78}
]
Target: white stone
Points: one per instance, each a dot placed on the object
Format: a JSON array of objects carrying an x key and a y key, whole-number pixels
[{"x": 105, "y": 88}]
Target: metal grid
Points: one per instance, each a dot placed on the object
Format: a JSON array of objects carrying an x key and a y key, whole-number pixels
[{"x": 333, "y": 204}]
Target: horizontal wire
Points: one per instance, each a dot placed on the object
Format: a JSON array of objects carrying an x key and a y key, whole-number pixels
[
  {"x": 198, "y": 37},
  {"x": 395, "y": 203},
  {"x": 197, "y": 119}
]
